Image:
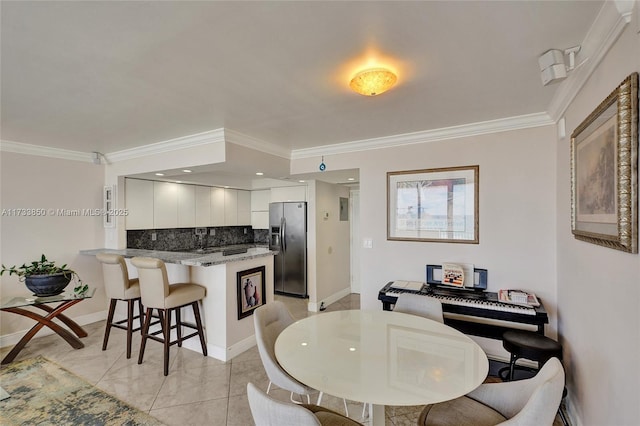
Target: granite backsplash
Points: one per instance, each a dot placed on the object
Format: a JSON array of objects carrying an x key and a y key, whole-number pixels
[{"x": 186, "y": 238}]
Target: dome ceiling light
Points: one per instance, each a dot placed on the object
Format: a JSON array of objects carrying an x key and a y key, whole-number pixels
[{"x": 373, "y": 81}]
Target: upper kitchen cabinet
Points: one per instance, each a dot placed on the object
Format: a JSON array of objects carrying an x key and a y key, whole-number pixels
[
  {"x": 244, "y": 208},
  {"x": 139, "y": 203},
  {"x": 203, "y": 206},
  {"x": 162, "y": 205},
  {"x": 260, "y": 208},
  {"x": 165, "y": 205},
  {"x": 230, "y": 207},
  {"x": 217, "y": 206},
  {"x": 186, "y": 206},
  {"x": 288, "y": 193}
]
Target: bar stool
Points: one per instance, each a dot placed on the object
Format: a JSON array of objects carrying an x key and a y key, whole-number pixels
[
  {"x": 528, "y": 345},
  {"x": 118, "y": 286},
  {"x": 532, "y": 346},
  {"x": 158, "y": 294}
]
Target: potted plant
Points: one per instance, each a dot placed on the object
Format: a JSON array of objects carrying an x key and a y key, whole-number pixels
[{"x": 43, "y": 277}]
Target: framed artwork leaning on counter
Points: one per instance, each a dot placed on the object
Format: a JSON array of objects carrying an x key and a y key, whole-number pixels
[
  {"x": 604, "y": 171},
  {"x": 251, "y": 290},
  {"x": 436, "y": 205}
]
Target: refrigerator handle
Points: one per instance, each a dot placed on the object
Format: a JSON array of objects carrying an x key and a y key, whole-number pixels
[{"x": 283, "y": 225}]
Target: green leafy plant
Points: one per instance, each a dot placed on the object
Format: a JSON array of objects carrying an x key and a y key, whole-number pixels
[
  {"x": 39, "y": 267},
  {"x": 81, "y": 289}
]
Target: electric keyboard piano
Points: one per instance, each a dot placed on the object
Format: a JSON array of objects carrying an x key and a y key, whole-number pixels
[{"x": 476, "y": 313}]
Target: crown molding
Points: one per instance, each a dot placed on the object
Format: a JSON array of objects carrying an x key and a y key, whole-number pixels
[
  {"x": 44, "y": 151},
  {"x": 454, "y": 132},
  {"x": 605, "y": 30},
  {"x": 241, "y": 139},
  {"x": 183, "y": 142}
]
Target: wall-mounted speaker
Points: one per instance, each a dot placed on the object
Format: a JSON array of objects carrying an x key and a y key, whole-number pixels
[{"x": 552, "y": 66}]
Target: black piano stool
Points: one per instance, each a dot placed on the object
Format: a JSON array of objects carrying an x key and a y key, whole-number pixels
[
  {"x": 529, "y": 345},
  {"x": 532, "y": 346}
]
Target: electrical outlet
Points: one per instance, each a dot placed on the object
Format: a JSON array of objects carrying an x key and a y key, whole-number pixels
[
  {"x": 212, "y": 232},
  {"x": 154, "y": 236},
  {"x": 245, "y": 231},
  {"x": 367, "y": 243}
]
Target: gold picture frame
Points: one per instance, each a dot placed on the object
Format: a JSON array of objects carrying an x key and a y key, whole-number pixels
[
  {"x": 433, "y": 205},
  {"x": 604, "y": 172}
]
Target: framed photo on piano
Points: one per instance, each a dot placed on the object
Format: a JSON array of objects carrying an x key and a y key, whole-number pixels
[
  {"x": 434, "y": 205},
  {"x": 604, "y": 172}
]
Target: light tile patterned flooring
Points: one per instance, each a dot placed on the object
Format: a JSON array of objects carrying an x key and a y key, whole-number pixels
[{"x": 198, "y": 390}]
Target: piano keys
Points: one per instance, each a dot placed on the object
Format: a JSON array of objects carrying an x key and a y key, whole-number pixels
[{"x": 476, "y": 313}]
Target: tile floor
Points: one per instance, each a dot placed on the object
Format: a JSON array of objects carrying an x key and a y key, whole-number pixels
[{"x": 198, "y": 390}]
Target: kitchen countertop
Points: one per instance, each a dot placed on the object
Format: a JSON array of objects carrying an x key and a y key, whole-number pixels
[{"x": 189, "y": 258}]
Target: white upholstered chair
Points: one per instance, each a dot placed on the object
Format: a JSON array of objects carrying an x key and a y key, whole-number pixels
[
  {"x": 269, "y": 320},
  {"x": 424, "y": 306},
  {"x": 267, "y": 411},
  {"x": 119, "y": 286},
  {"x": 529, "y": 402}
]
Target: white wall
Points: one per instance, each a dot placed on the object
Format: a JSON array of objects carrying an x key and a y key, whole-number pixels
[
  {"x": 47, "y": 183},
  {"x": 599, "y": 288},
  {"x": 330, "y": 266},
  {"x": 517, "y": 213}
]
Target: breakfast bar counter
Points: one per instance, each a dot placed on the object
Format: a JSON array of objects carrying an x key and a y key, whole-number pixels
[
  {"x": 204, "y": 257},
  {"x": 218, "y": 269}
]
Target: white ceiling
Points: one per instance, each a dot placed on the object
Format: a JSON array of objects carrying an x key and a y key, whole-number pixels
[{"x": 109, "y": 76}]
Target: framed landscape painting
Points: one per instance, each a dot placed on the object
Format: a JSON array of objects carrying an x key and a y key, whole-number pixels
[
  {"x": 604, "y": 172},
  {"x": 435, "y": 205}
]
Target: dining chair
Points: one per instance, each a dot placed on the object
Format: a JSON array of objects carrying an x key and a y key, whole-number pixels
[
  {"x": 165, "y": 298},
  {"x": 267, "y": 411},
  {"x": 118, "y": 286},
  {"x": 533, "y": 401},
  {"x": 416, "y": 304},
  {"x": 269, "y": 320}
]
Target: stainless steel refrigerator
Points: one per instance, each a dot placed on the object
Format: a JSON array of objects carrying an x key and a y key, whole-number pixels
[{"x": 288, "y": 235}]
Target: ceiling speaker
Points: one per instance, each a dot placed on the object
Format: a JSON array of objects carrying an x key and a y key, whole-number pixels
[{"x": 552, "y": 66}]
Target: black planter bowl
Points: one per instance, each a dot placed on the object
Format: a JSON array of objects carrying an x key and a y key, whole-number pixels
[{"x": 48, "y": 285}]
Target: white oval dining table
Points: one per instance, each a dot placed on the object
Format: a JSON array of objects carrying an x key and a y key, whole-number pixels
[{"x": 381, "y": 358}]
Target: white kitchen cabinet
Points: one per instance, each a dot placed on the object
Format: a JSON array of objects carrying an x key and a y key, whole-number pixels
[
  {"x": 139, "y": 203},
  {"x": 217, "y": 206},
  {"x": 203, "y": 206},
  {"x": 230, "y": 207},
  {"x": 165, "y": 205},
  {"x": 289, "y": 193},
  {"x": 244, "y": 208},
  {"x": 260, "y": 200},
  {"x": 260, "y": 208},
  {"x": 260, "y": 220},
  {"x": 186, "y": 206}
]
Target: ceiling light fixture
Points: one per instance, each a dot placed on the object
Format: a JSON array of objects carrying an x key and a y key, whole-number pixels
[
  {"x": 159, "y": 174},
  {"x": 373, "y": 81},
  {"x": 259, "y": 173},
  {"x": 187, "y": 171}
]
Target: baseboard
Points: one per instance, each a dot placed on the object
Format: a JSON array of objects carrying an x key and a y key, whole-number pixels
[
  {"x": 315, "y": 307},
  {"x": 13, "y": 338},
  {"x": 219, "y": 353}
]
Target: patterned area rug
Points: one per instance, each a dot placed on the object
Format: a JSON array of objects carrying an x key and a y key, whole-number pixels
[{"x": 43, "y": 393}]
